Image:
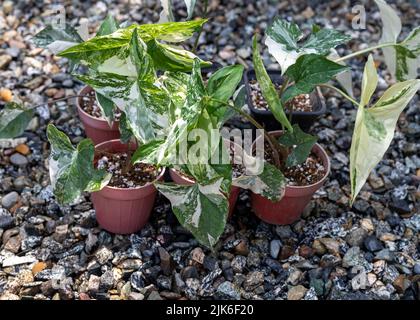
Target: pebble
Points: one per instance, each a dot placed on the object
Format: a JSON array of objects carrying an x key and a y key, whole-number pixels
[
  {"x": 9, "y": 200},
  {"x": 227, "y": 290},
  {"x": 6, "y": 221},
  {"x": 373, "y": 244},
  {"x": 356, "y": 237},
  {"x": 238, "y": 264},
  {"x": 253, "y": 280},
  {"x": 6, "y": 95},
  {"x": 275, "y": 246},
  {"x": 296, "y": 293},
  {"x": 4, "y": 61},
  {"x": 416, "y": 268},
  {"x": 18, "y": 160},
  {"x": 137, "y": 281}
]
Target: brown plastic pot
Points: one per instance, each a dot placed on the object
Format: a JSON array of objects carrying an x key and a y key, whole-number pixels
[
  {"x": 96, "y": 129},
  {"x": 296, "y": 198},
  {"x": 182, "y": 180},
  {"x": 123, "y": 210}
]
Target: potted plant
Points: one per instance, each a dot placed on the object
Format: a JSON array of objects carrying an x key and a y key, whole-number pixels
[
  {"x": 293, "y": 151},
  {"x": 204, "y": 190},
  {"x": 99, "y": 115}
]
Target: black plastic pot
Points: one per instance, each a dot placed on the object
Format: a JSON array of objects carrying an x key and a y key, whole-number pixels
[{"x": 266, "y": 118}]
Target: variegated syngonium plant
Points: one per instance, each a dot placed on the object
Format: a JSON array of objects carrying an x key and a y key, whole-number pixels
[
  {"x": 202, "y": 207},
  {"x": 313, "y": 62}
]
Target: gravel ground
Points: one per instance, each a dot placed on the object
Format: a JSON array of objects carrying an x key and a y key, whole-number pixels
[{"x": 48, "y": 251}]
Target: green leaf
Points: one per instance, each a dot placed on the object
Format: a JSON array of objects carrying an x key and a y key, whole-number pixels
[
  {"x": 403, "y": 55},
  {"x": 221, "y": 86},
  {"x": 190, "y": 7},
  {"x": 268, "y": 89},
  {"x": 71, "y": 169},
  {"x": 324, "y": 40},
  {"x": 309, "y": 71},
  {"x": 374, "y": 130},
  {"x": 14, "y": 119},
  {"x": 108, "y": 26},
  {"x": 57, "y": 39},
  {"x": 201, "y": 209},
  {"x": 301, "y": 144},
  {"x": 167, "y": 57},
  {"x": 369, "y": 82},
  {"x": 106, "y": 106},
  {"x": 285, "y": 33}
]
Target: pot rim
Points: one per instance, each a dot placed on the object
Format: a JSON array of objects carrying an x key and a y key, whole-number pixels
[
  {"x": 162, "y": 172},
  {"x": 327, "y": 165},
  {"x": 83, "y": 93}
]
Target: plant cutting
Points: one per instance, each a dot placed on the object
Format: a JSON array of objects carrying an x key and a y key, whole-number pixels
[
  {"x": 102, "y": 53},
  {"x": 307, "y": 66}
]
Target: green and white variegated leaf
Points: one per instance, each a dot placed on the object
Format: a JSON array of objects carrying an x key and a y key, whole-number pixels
[
  {"x": 202, "y": 209},
  {"x": 166, "y": 14},
  {"x": 283, "y": 42},
  {"x": 125, "y": 132},
  {"x": 374, "y": 129},
  {"x": 141, "y": 97},
  {"x": 14, "y": 119},
  {"x": 171, "y": 58},
  {"x": 402, "y": 59},
  {"x": 108, "y": 26},
  {"x": 344, "y": 78},
  {"x": 309, "y": 71},
  {"x": 71, "y": 169},
  {"x": 106, "y": 106},
  {"x": 57, "y": 39},
  {"x": 260, "y": 177}
]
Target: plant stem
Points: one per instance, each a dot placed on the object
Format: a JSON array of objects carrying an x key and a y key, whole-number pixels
[
  {"x": 355, "y": 54},
  {"x": 284, "y": 86},
  {"x": 345, "y": 95},
  {"x": 206, "y": 5},
  {"x": 276, "y": 148}
]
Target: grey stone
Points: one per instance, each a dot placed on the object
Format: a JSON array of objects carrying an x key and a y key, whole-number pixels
[
  {"x": 10, "y": 199},
  {"x": 238, "y": 264},
  {"x": 373, "y": 244},
  {"x": 227, "y": 290},
  {"x": 275, "y": 246},
  {"x": 356, "y": 237},
  {"x": 137, "y": 281},
  {"x": 416, "y": 268},
  {"x": 18, "y": 160}
]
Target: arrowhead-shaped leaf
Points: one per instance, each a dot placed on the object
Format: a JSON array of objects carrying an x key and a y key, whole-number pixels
[
  {"x": 283, "y": 42},
  {"x": 309, "y": 71},
  {"x": 71, "y": 169},
  {"x": 300, "y": 144},
  {"x": 202, "y": 209},
  {"x": 14, "y": 119},
  {"x": 190, "y": 7},
  {"x": 374, "y": 129}
]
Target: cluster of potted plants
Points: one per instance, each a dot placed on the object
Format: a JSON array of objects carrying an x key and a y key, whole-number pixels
[{"x": 147, "y": 109}]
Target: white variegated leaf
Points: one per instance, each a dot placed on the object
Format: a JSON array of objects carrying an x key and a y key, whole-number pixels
[
  {"x": 374, "y": 131},
  {"x": 202, "y": 209},
  {"x": 344, "y": 78},
  {"x": 166, "y": 14},
  {"x": 391, "y": 29},
  {"x": 369, "y": 82}
]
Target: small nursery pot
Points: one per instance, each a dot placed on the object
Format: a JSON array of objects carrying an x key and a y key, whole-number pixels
[
  {"x": 123, "y": 210},
  {"x": 266, "y": 117},
  {"x": 182, "y": 180},
  {"x": 96, "y": 129},
  {"x": 296, "y": 198}
]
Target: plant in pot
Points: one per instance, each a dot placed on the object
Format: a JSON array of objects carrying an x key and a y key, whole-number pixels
[
  {"x": 206, "y": 185},
  {"x": 304, "y": 163},
  {"x": 102, "y": 53}
]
